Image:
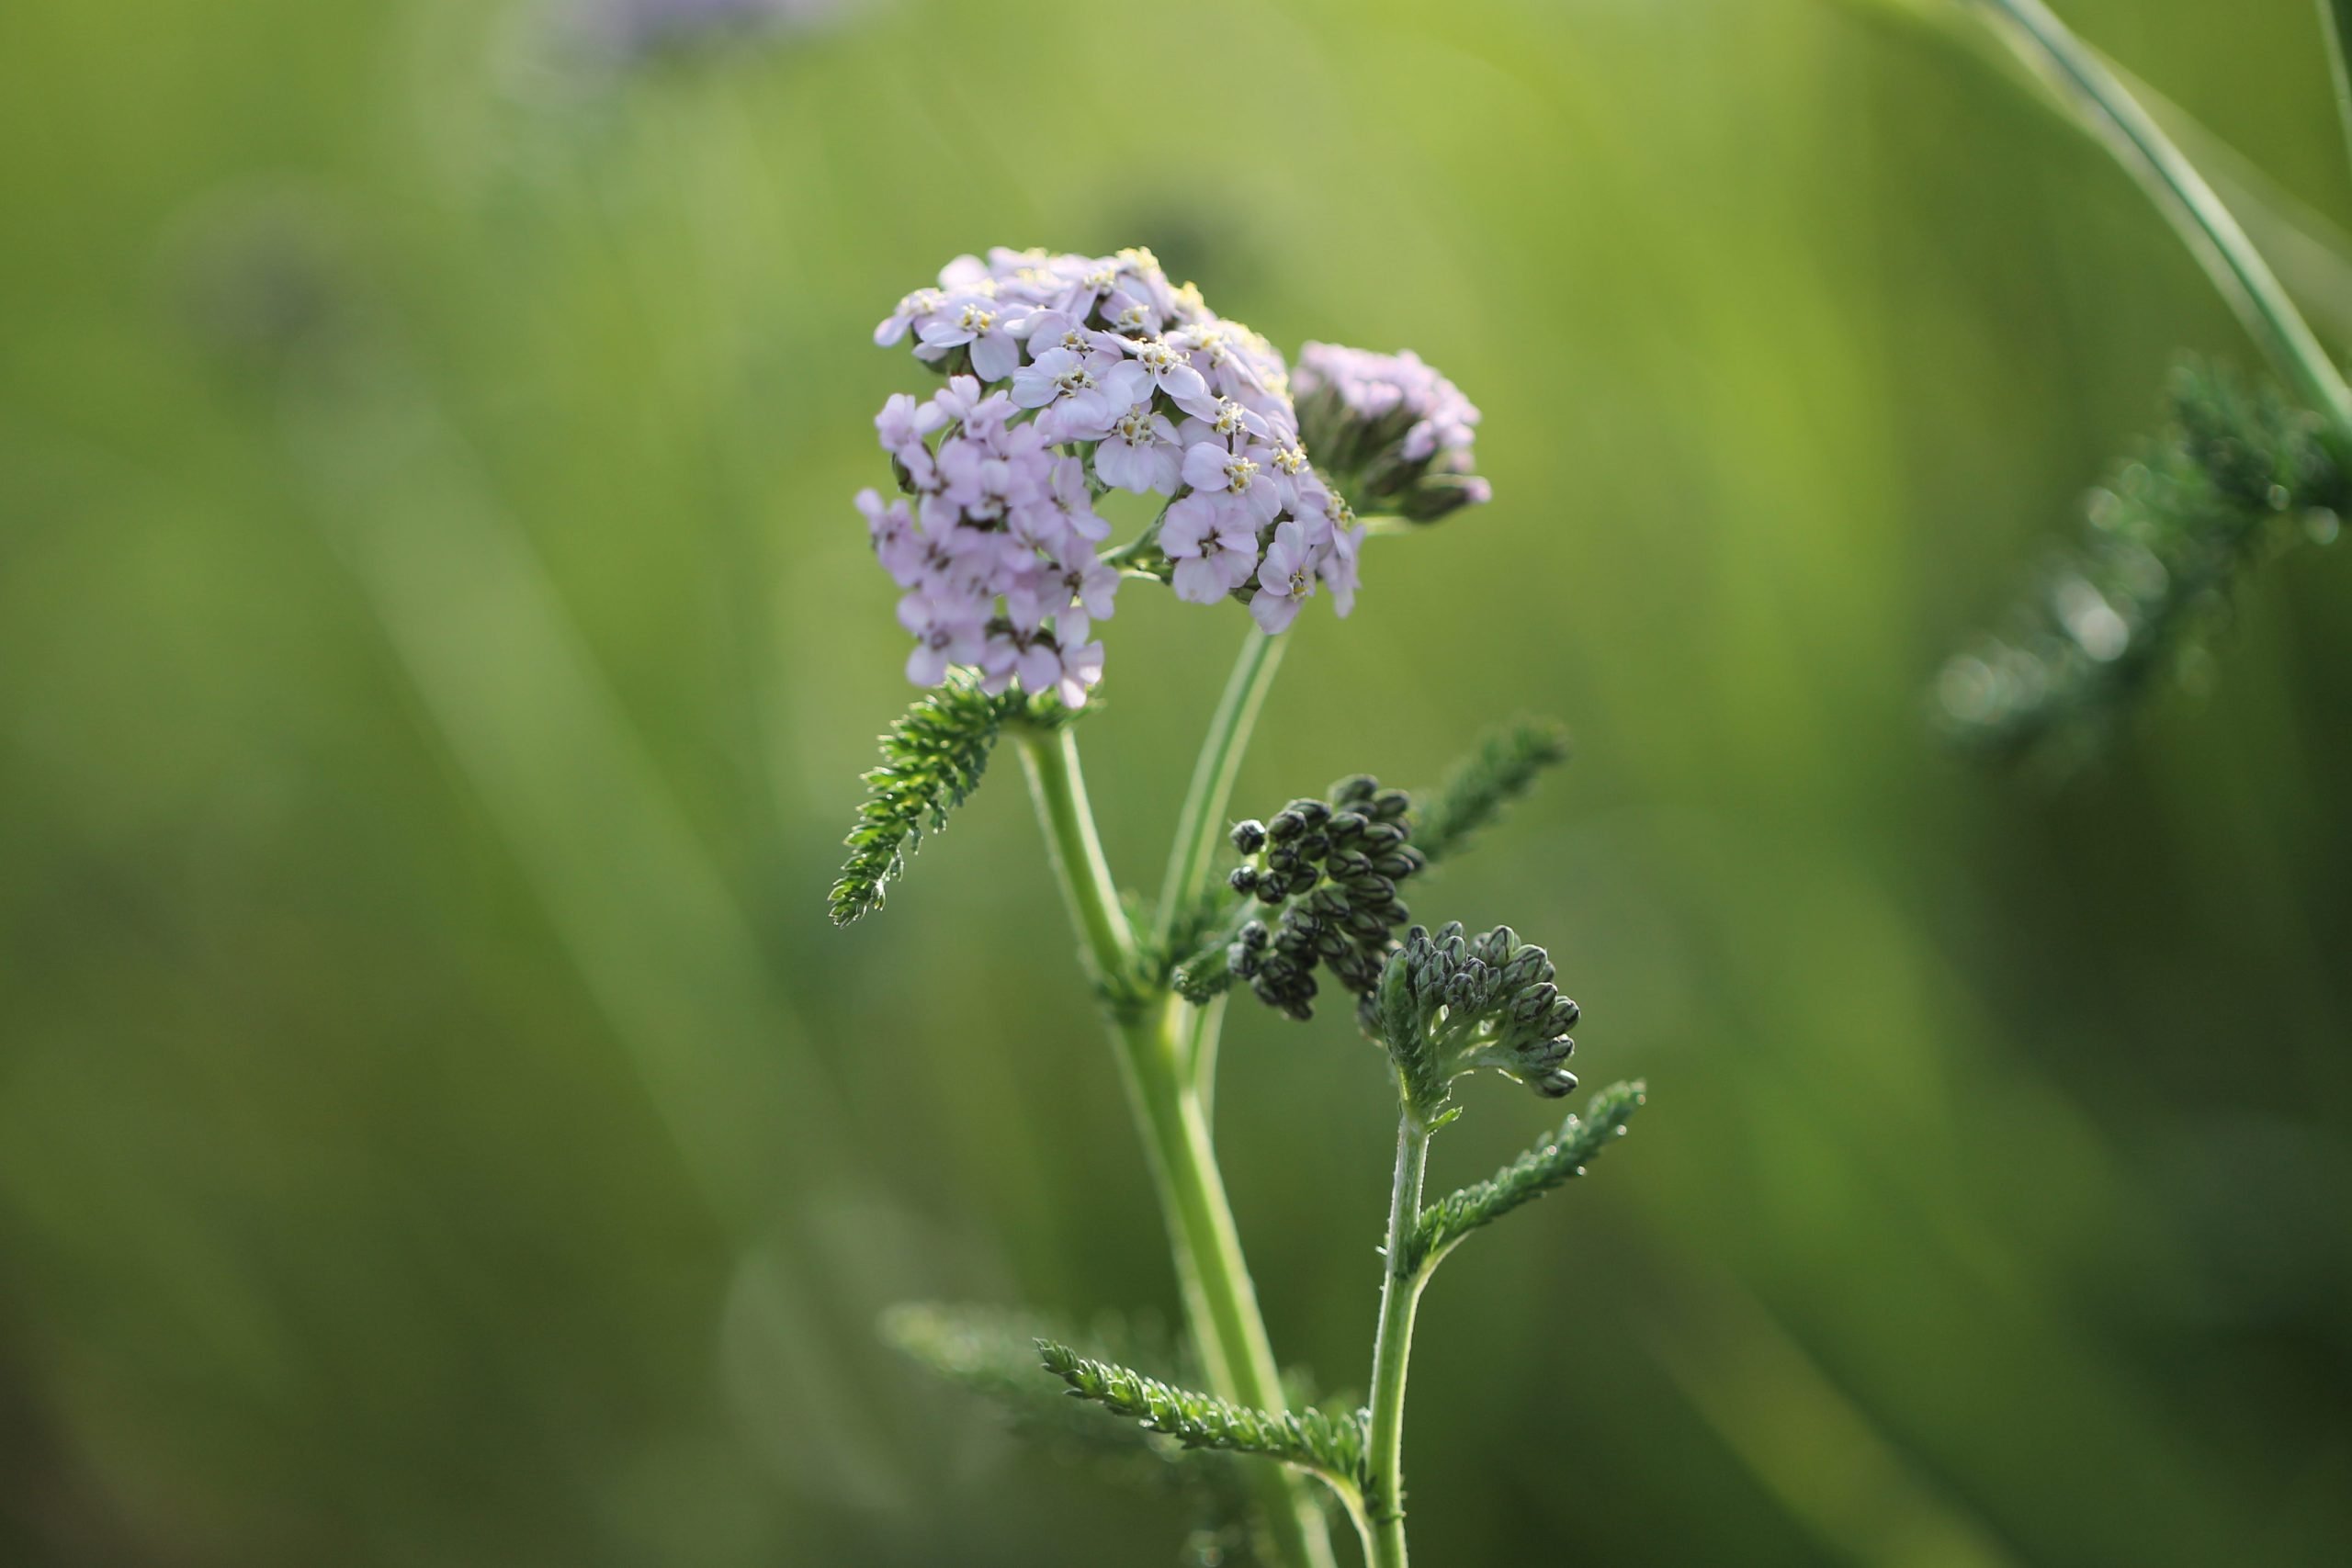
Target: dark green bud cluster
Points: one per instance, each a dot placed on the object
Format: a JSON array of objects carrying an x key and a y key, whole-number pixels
[
  {"x": 1332, "y": 868},
  {"x": 1449, "y": 1004}
]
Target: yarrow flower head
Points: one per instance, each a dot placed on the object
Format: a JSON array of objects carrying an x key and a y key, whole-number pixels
[
  {"x": 1391, "y": 434},
  {"x": 1070, "y": 378},
  {"x": 1449, "y": 1004}
]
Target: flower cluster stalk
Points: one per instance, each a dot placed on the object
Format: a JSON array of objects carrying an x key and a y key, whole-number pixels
[
  {"x": 1400, "y": 1297},
  {"x": 1200, "y": 823},
  {"x": 1150, "y": 1037},
  {"x": 1200, "y": 833}
]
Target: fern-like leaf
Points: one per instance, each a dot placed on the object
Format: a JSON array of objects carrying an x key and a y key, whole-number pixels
[
  {"x": 2234, "y": 479},
  {"x": 1559, "y": 1159},
  {"x": 991, "y": 1352},
  {"x": 1331, "y": 1445},
  {"x": 1505, "y": 766},
  {"x": 932, "y": 762}
]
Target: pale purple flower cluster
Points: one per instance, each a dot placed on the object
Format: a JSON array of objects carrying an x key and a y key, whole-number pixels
[
  {"x": 1389, "y": 433},
  {"x": 1070, "y": 377},
  {"x": 1374, "y": 386},
  {"x": 629, "y": 30}
]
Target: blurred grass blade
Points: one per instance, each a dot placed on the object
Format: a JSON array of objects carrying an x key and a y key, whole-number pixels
[
  {"x": 2335, "y": 23},
  {"x": 1811, "y": 1447},
  {"x": 657, "y": 938},
  {"x": 2098, "y": 100},
  {"x": 2311, "y": 256},
  {"x": 2107, "y": 109}
]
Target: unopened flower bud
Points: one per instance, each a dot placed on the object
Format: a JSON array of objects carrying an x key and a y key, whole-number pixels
[
  {"x": 1442, "y": 495},
  {"x": 1250, "y": 837},
  {"x": 1557, "y": 1084},
  {"x": 1542, "y": 1055}
]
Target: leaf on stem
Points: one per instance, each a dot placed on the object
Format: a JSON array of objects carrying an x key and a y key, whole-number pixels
[
  {"x": 932, "y": 762},
  {"x": 992, "y": 1352},
  {"x": 1505, "y": 766},
  {"x": 2236, "y": 477},
  {"x": 1559, "y": 1159},
  {"x": 1331, "y": 1445}
]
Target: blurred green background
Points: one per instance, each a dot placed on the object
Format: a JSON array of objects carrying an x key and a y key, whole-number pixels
[{"x": 437, "y": 1125}]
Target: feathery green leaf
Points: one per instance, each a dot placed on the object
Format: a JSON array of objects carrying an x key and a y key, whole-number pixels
[
  {"x": 1555, "y": 1161},
  {"x": 2236, "y": 477},
  {"x": 932, "y": 762},
  {"x": 1505, "y": 766},
  {"x": 992, "y": 1352},
  {"x": 1331, "y": 1445}
]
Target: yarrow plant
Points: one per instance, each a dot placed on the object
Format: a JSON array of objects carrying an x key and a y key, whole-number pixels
[{"x": 1067, "y": 381}]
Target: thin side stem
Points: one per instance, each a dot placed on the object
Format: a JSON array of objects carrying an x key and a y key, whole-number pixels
[
  {"x": 1400, "y": 1297},
  {"x": 1059, "y": 787},
  {"x": 2335, "y": 21},
  {"x": 1201, "y": 822},
  {"x": 1198, "y": 1030},
  {"x": 1220, "y": 1304},
  {"x": 2180, "y": 192}
]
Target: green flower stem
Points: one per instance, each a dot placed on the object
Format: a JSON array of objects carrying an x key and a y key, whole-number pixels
[
  {"x": 1219, "y": 1302},
  {"x": 1200, "y": 825},
  {"x": 1198, "y": 1029},
  {"x": 1059, "y": 787},
  {"x": 2180, "y": 192},
  {"x": 1400, "y": 1297}
]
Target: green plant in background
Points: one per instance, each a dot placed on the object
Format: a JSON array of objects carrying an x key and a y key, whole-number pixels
[
  {"x": 1070, "y": 379},
  {"x": 2234, "y": 479}
]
